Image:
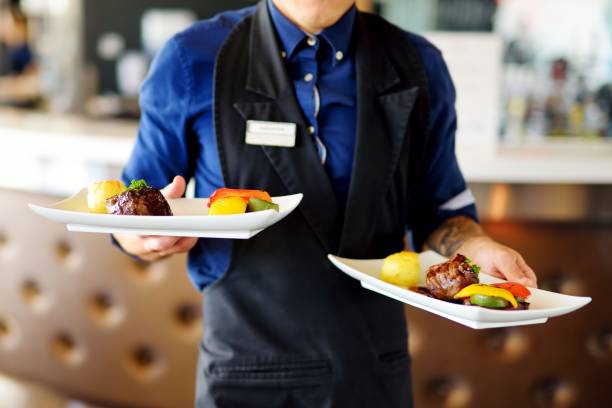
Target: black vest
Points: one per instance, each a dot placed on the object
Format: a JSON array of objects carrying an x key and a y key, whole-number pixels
[{"x": 283, "y": 327}]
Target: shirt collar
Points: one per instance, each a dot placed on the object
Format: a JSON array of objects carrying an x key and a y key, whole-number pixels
[{"x": 338, "y": 35}]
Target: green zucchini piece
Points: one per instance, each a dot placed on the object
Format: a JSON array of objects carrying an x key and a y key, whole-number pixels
[
  {"x": 492, "y": 302},
  {"x": 256, "y": 204}
]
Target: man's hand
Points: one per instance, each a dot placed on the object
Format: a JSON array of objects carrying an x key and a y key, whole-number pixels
[
  {"x": 498, "y": 260},
  {"x": 463, "y": 235},
  {"x": 151, "y": 248}
]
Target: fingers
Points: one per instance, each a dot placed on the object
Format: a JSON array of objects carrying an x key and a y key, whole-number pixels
[
  {"x": 496, "y": 272},
  {"x": 184, "y": 244},
  {"x": 175, "y": 189},
  {"x": 158, "y": 244},
  {"x": 151, "y": 248},
  {"x": 529, "y": 273},
  {"x": 500, "y": 261},
  {"x": 513, "y": 268},
  {"x": 160, "y": 247}
]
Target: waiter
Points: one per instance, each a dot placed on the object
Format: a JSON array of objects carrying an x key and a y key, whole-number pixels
[{"x": 373, "y": 153}]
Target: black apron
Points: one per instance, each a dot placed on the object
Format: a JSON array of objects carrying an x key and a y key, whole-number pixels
[{"x": 283, "y": 327}]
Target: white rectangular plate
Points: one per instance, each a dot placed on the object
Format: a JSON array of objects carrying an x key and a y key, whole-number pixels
[
  {"x": 190, "y": 218},
  {"x": 543, "y": 304}
]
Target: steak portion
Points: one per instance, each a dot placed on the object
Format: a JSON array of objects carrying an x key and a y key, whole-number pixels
[
  {"x": 445, "y": 280},
  {"x": 143, "y": 201}
]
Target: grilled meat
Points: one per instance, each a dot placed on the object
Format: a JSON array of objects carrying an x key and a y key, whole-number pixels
[
  {"x": 143, "y": 201},
  {"x": 447, "y": 279}
]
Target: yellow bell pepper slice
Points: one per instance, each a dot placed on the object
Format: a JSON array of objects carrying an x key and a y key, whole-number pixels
[
  {"x": 480, "y": 289},
  {"x": 228, "y": 206}
]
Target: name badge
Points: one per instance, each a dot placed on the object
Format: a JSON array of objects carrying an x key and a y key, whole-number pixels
[{"x": 270, "y": 133}]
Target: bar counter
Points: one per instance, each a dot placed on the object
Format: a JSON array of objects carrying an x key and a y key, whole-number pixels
[{"x": 58, "y": 154}]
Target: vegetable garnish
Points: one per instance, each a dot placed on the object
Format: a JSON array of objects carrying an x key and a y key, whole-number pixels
[
  {"x": 492, "y": 302},
  {"x": 486, "y": 290},
  {"x": 138, "y": 185},
  {"x": 256, "y": 204},
  {"x": 227, "y": 206},
  {"x": 516, "y": 289},
  {"x": 472, "y": 265},
  {"x": 244, "y": 194}
]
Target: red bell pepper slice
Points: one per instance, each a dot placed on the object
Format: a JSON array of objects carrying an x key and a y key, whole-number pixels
[
  {"x": 516, "y": 289},
  {"x": 244, "y": 194}
]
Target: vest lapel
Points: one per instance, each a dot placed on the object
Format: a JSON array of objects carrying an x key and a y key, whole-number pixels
[
  {"x": 269, "y": 96},
  {"x": 384, "y": 104}
]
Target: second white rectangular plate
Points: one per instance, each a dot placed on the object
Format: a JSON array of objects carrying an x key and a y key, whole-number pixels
[{"x": 543, "y": 304}]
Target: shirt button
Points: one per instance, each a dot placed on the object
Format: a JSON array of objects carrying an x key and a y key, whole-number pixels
[
  {"x": 339, "y": 55},
  {"x": 308, "y": 77},
  {"x": 311, "y": 130},
  {"x": 311, "y": 41},
  {"x": 283, "y": 54}
]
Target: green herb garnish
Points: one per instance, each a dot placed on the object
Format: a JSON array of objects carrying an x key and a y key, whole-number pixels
[
  {"x": 138, "y": 185},
  {"x": 471, "y": 264},
  {"x": 475, "y": 268}
]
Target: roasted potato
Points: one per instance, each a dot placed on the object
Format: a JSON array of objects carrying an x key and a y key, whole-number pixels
[
  {"x": 98, "y": 192},
  {"x": 402, "y": 269}
]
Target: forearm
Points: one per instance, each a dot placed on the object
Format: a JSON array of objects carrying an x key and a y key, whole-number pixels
[{"x": 452, "y": 233}]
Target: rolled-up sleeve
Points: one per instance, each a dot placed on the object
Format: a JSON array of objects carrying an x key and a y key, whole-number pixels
[
  {"x": 442, "y": 192},
  {"x": 165, "y": 146}
]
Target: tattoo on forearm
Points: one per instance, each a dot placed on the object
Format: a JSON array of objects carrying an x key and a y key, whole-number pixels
[{"x": 449, "y": 236}]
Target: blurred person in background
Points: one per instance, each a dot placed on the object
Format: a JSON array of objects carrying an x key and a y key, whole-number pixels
[
  {"x": 18, "y": 71},
  {"x": 604, "y": 100}
]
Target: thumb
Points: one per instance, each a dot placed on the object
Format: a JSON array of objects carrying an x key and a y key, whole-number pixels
[{"x": 175, "y": 189}]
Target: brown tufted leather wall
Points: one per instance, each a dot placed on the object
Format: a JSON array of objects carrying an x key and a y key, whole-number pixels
[{"x": 77, "y": 315}]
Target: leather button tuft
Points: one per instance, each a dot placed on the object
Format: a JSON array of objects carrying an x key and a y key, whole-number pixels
[
  {"x": 144, "y": 363},
  {"x": 9, "y": 337},
  {"x": 449, "y": 392},
  {"x": 511, "y": 343},
  {"x": 599, "y": 343},
  {"x": 554, "y": 392},
  {"x": 103, "y": 310},
  {"x": 67, "y": 350},
  {"x": 33, "y": 296}
]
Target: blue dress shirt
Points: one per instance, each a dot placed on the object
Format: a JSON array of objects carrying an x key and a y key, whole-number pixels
[
  {"x": 176, "y": 134},
  {"x": 322, "y": 69},
  {"x": 20, "y": 58}
]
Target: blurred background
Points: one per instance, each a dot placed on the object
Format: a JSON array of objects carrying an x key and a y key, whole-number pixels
[{"x": 82, "y": 325}]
